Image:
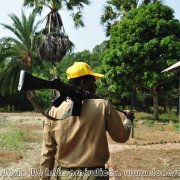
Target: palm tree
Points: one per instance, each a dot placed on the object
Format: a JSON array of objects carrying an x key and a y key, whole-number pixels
[
  {"x": 52, "y": 42},
  {"x": 16, "y": 52},
  {"x": 114, "y": 10},
  {"x": 24, "y": 30},
  {"x": 74, "y": 6}
]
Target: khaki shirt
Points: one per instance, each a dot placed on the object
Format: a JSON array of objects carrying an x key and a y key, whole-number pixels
[{"x": 81, "y": 141}]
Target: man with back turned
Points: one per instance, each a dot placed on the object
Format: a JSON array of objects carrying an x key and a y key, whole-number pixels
[{"x": 79, "y": 144}]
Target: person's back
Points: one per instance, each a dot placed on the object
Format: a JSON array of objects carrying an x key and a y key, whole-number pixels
[{"x": 80, "y": 142}]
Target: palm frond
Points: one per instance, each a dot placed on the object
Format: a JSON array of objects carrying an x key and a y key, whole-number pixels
[
  {"x": 77, "y": 18},
  {"x": 29, "y": 3},
  {"x": 53, "y": 48},
  {"x": 114, "y": 10},
  {"x": 16, "y": 22},
  {"x": 108, "y": 15},
  {"x": 9, "y": 78},
  {"x": 71, "y": 4},
  {"x": 13, "y": 30},
  {"x": 24, "y": 30}
]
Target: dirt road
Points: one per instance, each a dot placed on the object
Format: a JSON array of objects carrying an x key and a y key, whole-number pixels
[{"x": 134, "y": 155}]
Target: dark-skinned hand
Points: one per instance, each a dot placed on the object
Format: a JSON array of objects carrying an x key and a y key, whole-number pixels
[{"x": 130, "y": 115}]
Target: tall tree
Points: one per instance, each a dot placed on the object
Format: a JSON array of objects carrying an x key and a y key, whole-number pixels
[
  {"x": 53, "y": 43},
  {"x": 74, "y": 6},
  {"x": 17, "y": 52},
  {"x": 142, "y": 44},
  {"x": 24, "y": 30},
  {"x": 115, "y": 10}
]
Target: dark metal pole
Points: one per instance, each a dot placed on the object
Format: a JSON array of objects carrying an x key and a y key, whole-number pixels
[{"x": 178, "y": 108}]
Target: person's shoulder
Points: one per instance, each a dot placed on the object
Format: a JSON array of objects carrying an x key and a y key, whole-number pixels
[
  {"x": 100, "y": 101},
  {"x": 60, "y": 107}
]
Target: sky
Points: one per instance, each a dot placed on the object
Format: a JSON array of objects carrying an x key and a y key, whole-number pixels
[{"x": 84, "y": 38}]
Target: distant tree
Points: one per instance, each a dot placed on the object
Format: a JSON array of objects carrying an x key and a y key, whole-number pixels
[
  {"x": 115, "y": 10},
  {"x": 15, "y": 102},
  {"x": 52, "y": 42},
  {"x": 142, "y": 44},
  {"x": 98, "y": 54},
  {"x": 16, "y": 53},
  {"x": 10, "y": 66},
  {"x": 24, "y": 30},
  {"x": 73, "y": 6}
]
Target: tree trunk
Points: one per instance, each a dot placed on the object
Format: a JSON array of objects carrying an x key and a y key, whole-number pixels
[
  {"x": 178, "y": 105},
  {"x": 133, "y": 97},
  {"x": 165, "y": 109},
  {"x": 28, "y": 62},
  {"x": 155, "y": 103}
]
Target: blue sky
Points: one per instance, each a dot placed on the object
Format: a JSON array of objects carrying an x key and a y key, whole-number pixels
[{"x": 83, "y": 38}]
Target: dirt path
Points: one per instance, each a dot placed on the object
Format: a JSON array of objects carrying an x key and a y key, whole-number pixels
[
  {"x": 168, "y": 146},
  {"x": 26, "y": 168},
  {"x": 118, "y": 148}
]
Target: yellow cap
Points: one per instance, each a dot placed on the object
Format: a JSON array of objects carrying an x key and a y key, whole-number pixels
[{"x": 79, "y": 69}]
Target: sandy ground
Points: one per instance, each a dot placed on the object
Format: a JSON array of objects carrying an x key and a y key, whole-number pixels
[{"x": 160, "y": 152}]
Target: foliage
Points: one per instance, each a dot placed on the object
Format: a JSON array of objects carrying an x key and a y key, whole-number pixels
[
  {"x": 20, "y": 51},
  {"x": 168, "y": 117},
  {"x": 24, "y": 29},
  {"x": 115, "y": 10},
  {"x": 15, "y": 102},
  {"x": 43, "y": 70},
  {"x": 177, "y": 127},
  {"x": 16, "y": 54},
  {"x": 142, "y": 44},
  {"x": 9, "y": 78},
  {"x": 52, "y": 42},
  {"x": 74, "y": 6},
  {"x": 53, "y": 48}
]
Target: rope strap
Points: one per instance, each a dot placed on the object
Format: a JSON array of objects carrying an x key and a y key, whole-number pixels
[{"x": 34, "y": 101}]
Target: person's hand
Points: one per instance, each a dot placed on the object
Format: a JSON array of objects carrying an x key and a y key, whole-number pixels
[{"x": 130, "y": 115}]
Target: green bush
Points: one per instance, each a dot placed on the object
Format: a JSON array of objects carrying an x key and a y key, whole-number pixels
[{"x": 169, "y": 116}]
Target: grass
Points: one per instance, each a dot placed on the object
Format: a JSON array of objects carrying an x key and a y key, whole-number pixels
[
  {"x": 16, "y": 136},
  {"x": 13, "y": 139},
  {"x": 170, "y": 116},
  {"x": 163, "y": 117},
  {"x": 177, "y": 127}
]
